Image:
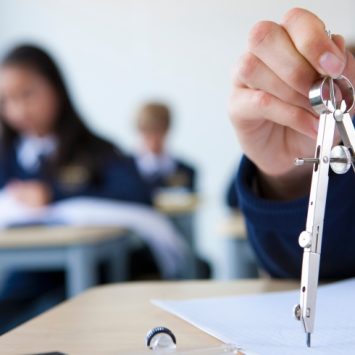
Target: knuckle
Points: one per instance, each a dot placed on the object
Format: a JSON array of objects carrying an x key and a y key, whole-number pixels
[
  {"x": 312, "y": 46},
  {"x": 246, "y": 67},
  {"x": 296, "y": 15},
  {"x": 259, "y": 33},
  {"x": 262, "y": 100},
  {"x": 293, "y": 15}
]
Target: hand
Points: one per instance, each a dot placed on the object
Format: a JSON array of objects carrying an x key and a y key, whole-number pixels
[
  {"x": 269, "y": 107},
  {"x": 31, "y": 193}
]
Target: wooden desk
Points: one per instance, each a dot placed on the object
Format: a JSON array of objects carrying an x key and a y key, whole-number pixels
[
  {"x": 77, "y": 250},
  {"x": 173, "y": 204},
  {"x": 233, "y": 227},
  {"x": 114, "y": 319}
]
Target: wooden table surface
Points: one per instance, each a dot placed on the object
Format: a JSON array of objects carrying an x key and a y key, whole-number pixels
[
  {"x": 233, "y": 227},
  {"x": 115, "y": 319},
  {"x": 175, "y": 204},
  {"x": 55, "y": 236}
]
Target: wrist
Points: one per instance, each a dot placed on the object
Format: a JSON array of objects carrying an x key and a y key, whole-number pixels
[{"x": 290, "y": 186}]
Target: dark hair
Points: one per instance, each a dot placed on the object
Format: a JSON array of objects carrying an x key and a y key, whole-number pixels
[{"x": 77, "y": 144}]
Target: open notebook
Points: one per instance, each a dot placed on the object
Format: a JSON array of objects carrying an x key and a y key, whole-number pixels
[{"x": 264, "y": 324}]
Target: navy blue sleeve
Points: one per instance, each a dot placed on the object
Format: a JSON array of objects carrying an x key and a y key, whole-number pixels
[{"x": 274, "y": 227}]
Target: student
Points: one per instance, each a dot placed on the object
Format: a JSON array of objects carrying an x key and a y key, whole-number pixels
[
  {"x": 48, "y": 154},
  {"x": 156, "y": 165},
  {"x": 275, "y": 123},
  {"x": 159, "y": 169}
]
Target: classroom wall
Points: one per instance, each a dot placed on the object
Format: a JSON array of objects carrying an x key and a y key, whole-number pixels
[{"x": 117, "y": 54}]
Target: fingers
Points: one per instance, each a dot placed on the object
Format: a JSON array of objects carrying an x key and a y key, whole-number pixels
[
  {"x": 340, "y": 42},
  {"x": 253, "y": 73},
  {"x": 272, "y": 81},
  {"x": 349, "y": 72},
  {"x": 308, "y": 35},
  {"x": 299, "y": 49},
  {"x": 271, "y": 44},
  {"x": 248, "y": 105}
]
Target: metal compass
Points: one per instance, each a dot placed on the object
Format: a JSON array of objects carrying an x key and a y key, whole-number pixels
[{"x": 333, "y": 100}]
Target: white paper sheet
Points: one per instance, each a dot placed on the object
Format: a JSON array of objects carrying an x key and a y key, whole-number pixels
[
  {"x": 168, "y": 247},
  {"x": 264, "y": 324}
]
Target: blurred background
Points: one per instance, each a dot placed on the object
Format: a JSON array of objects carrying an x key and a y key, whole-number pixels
[{"x": 118, "y": 55}]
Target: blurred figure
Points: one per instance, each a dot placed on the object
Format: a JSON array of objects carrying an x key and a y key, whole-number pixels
[
  {"x": 156, "y": 165},
  {"x": 48, "y": 154},
  {"x": 231, "y": 194},
  {"x": 171, "y": 181}
]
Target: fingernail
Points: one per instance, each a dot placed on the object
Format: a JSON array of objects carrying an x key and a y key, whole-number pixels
[{"x": 331, "y": 64}]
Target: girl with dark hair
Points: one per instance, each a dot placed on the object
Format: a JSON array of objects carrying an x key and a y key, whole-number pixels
[{"x": 48, "y": 154}]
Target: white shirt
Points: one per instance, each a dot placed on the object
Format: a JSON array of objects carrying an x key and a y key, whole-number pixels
[
  {"x": 31, "y": 149},
  {"x": 150, "y": 164}
]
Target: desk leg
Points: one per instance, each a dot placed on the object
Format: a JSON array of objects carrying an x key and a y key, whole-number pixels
[
  {"x": 81, "y": 269},
  {"x": 185, "y": 224},
  {"x": 118, "y": 268},
  {"x": 241, "y": 262}
]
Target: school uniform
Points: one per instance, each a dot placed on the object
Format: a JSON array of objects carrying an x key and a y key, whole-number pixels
[
  {"x": 274, "y": 226},
  {"x": 29, "y": 159},
  {"x": 165, "y": 171}
]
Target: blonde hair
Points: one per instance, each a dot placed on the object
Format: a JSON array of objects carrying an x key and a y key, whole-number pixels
[{"x": 154, "y": 116}]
